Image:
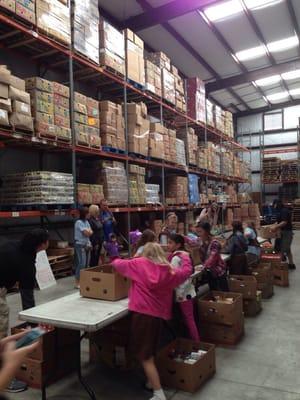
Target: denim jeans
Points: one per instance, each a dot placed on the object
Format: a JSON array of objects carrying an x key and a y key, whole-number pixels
[{"x": 82, "y": 259}]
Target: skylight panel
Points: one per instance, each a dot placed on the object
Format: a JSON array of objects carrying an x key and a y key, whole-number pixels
[
  {"x": 295, "y": 92},
  {"x": 260, "y": 4},
  {"x": 223, "y": 10},
  {"x": 270, "y": 80},
  {"x": 250, "y": 54},
  {"x": 278, "y": 96},
  {"x": 283, "y": 44},
  {"x": 288, "y": 76}
]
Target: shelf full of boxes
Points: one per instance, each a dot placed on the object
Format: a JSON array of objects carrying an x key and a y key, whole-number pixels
[{"x": 133, "y": 129}]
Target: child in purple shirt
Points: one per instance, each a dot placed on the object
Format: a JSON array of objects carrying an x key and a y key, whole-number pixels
[{"x": 112, "y": 247}]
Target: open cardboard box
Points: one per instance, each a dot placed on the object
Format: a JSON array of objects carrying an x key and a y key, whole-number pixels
[
  {"x": 223, "y": 308},
  {"x": 103, "y": 283},
  {"x": 252, "y": 307},
  {"x": 182, "y": 376},
  {"x": 244, "y": 284}
]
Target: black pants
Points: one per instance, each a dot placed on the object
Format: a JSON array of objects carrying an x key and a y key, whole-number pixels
[
  {"x": 219, "y": 284},
  {"x": 27, "y": 297},
  {"x": 95, "y": 255}
]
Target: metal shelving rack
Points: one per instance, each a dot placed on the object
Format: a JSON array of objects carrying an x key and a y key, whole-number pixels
[{"x": 15, "y": 35}]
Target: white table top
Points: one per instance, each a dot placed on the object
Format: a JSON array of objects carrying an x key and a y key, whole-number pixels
[{"x": 76, "y": 312}]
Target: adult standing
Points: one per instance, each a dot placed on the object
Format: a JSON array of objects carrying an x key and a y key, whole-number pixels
[
  {"x": 107, "y": 219},
  {"x": 253, "y": 253},
  {"x": 82, "y": 245},
  {"x": 18, "y": 266},
  {"x": 171, "y": 223},
  {"x": 209, "y": 214},
  {"x": 237, "y": 247},
  {"x": 285, "y": 227},
  {"x": 97, "y": 237}
]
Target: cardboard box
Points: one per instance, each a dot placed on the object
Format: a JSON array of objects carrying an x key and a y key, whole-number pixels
[
  {"x": 17, "y": 82},
  {"x": 39, "y": 83},
  {"x": 5, "y": 104},
  {"x": 267, "y": 289},
  {"x": 263, "y": 273},
  {"x": 135, "y": 62},
  {"x": 21, "y": 121},
  {"x": 21, "y": 108},
  {"x": 5, "y": 73},
  {"x": 183, "y": 376},
  {"x": 4, "y": 118},
  {"x": 220, "y": 308},
  {"x": 16, "y": 94},
  {"x": 252, "y": 307},
  {"x": 244, "y": 284},
  {"x": 281, "y": 274},
  {"x": 266, "y": 233},
  {"x": 3, "y": 90},
  {"x": 222, "y": 334},
  {"x": 9, "y": 5},
  {"x": 103, "y": 283}
]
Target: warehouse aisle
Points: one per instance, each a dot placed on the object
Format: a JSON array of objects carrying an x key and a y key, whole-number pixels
[{"x": 264, "y": 366}]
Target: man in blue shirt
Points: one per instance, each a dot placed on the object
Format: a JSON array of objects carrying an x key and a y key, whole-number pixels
[{"x": 107, "y": 219}]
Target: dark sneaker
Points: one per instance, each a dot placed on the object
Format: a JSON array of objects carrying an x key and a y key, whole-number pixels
[
  {"x": 16, "y": 386},
  {"x": 292, "y": 266}
]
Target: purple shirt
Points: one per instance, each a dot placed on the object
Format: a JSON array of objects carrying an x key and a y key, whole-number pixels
[{"x": 112, "y": 248}]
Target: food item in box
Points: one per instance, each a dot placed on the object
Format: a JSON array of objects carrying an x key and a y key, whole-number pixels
[
  {"x": 39, "y": 83},
  {"x": 21, "y": 108},
  {"x": 135, "y": 63},
  {"x": 152, "y": 194},
  {"x": 5, "y": 104},
  {"x": 61, "y": 90},
  {"x": 160, "y": 59},
  {"x": 112, "y": 47},
  {"x": 45, "y": 129},
  {"x": 53, "y": 18},
  {"x": 180, "y": 152},
  {"x": 177, "y": 189},
  {"x": 63, "y": 133},
  {"x": 137, "y": 186},
  {"x": 113, "y": 177},
  {"x": 86, "y": 28},
  {"x": 191, "y": 143}
]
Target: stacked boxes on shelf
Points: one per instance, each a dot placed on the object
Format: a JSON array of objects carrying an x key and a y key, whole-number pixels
[
  {"x": 137, "y": 186},
  {"x": 227, "y": 167},
  {"x": 196, "y": 100},
  {"x": 167, "y": 77},
  {"x": 191, "y": 142},
  {"x": 61, "y": 97},
  {"x": 152, "y": 194},
  {"x": 153, "y": 78},
  {"x": 170, "y": 151},
  {"x": 42, "y": 105},
  {"x": 138, "y": 128},
  {"x": 180, "y": 101},
  {"x": 53, "y": 18},
  {"x": 219, "y": 119},
  {"x": 86, "y": 28},
  {"x": 89, "y": 194},
  {"x": 112, "y": 176},
  {"x": 87, "y": 121},
  {"x": 37, "y": 187},
  {"x": 112, "y": 125},
  {"x": 112, "y": 47},
  {"x": 194, "y": 195},
  {"x": 180, "y": 152},
  {"x": 210, "y": 113},
  {"x": 26, "y": 10},
  {"x": 134, "y": 47},
  {"x": 5, "y": 101},
  {"x": 177, "y": 190},
  {"x": 157, "y": 138},
  {"x": 228, "y": 124},
  {"x": 15, "y": 99}
]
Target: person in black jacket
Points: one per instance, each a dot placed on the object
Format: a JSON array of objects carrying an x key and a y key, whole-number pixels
[
  {"x": 97, "y": 237},
  {"x": 18, "y": 266},
  {"x": 237, "y": 247}
]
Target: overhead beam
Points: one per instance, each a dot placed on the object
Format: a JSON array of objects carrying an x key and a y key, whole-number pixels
[
  {"x": 166, "y": 12},
  {"x": 294, "y": 20},
  {"x": 277, "y": 106},
  {"x": 252, "y": 76}
]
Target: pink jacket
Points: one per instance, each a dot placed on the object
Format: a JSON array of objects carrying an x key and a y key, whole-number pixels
[{"x": 151, "y": 291}]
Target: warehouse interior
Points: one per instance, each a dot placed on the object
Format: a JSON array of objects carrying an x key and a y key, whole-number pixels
[{"x": 168, "y": 110}]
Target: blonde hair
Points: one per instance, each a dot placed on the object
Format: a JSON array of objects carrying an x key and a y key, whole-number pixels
[
  {"x": 155, "y": 253},
  {"x": 94, "y": 210}
]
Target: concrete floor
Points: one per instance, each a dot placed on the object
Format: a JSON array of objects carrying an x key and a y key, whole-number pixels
[{"x": 264, "y": 366}]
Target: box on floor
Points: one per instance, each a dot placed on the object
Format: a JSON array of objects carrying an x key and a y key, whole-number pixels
[{"x": 252, "y": 307}]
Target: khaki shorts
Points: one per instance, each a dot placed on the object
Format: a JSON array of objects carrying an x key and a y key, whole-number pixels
[{"x": 4, "y": 313}]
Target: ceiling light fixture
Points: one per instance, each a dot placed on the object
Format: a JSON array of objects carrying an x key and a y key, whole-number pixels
[
  {"x": 250, "y": 54},
  {"x": 223, "y": 10},
  {"x": 277, "y": 96},
  {"x": 283, "y": 44},
  {"x": 270, "y": 80},
  {"x": 288, "y": 76}
]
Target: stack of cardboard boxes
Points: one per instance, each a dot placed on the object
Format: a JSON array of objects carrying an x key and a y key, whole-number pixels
[
  {"x": 247, "y": 287},
  {"x": 202, "y": 156},
  {"x": 153, "y": 78},
  {"x": 167, "y": 77},
  {"x": 42, "y": 105},
  {"x": 180, "y": 152},
  {"x": 196, "y": 100},
  {"x": 61, "y": 97},
  {"x": 137, "y": 186},
  {"x": 24, "y": 9},
  {"x": 210, "y": 112},
  {"x": 135, "y": 63},
  {"x": 152, "y": 193},
  {"x": 157, "y": 140},
  {"x": 112, "y": 176},
  {"x": 87, "y": 121},
  {"x": 138, "y": 128},
  {"x": 227, "y": 162},
  {"x": 53, "y": 18},
  {"x": 86, "y": 28},
  {"x": 221, "y": 317},
  {"x": 180, "y": 101},
  {"x": 191, "y": 143},
  {"x": 228, "y": 129},
  {"x": 177, "y": 190},
  {"x": 112, "y": 128},
  {"x": 219, "y": 119},
  {"x": 89, "y": 194},
  {"x": 112, "y": 47},
  {"x": 170, "y": 150},
  {"x": 14, "y": 102}
]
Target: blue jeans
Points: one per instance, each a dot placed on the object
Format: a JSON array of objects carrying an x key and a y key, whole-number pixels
[{"x": 82, "y": 259}]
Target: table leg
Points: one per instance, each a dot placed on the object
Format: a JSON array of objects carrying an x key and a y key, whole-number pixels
[{"x": 86, "y": 387}]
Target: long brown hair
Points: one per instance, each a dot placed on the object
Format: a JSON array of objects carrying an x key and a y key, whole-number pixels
[{"x": 147, "y": 236}]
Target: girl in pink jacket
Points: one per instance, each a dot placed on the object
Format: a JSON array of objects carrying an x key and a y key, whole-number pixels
[{"x": 150, "y": 301}]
